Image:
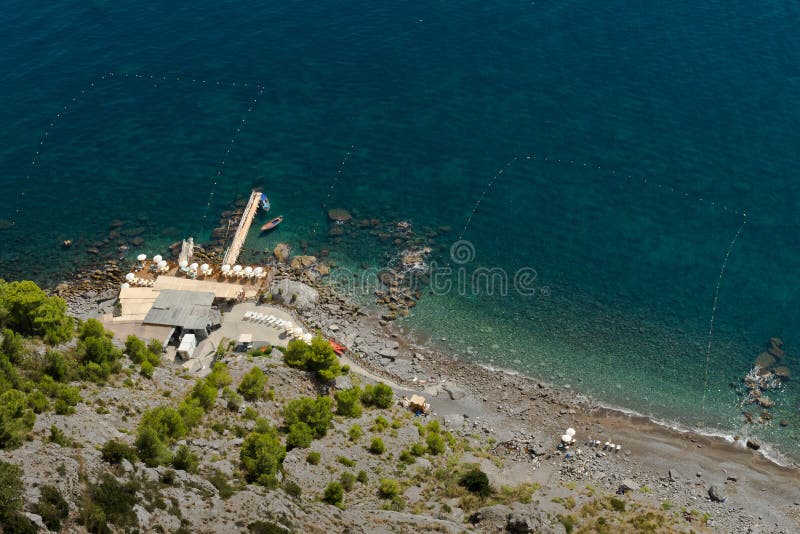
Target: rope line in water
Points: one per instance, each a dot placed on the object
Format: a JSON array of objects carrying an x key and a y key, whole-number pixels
[
  {"x": 483, "y": 194},
  {"x": 331, "y": 189},
  {"x": 156, "y": 80},
  {"x": 714, "y": 308}
]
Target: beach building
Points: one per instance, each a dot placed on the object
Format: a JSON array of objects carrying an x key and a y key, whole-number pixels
[{"x": 186, "y": 312}]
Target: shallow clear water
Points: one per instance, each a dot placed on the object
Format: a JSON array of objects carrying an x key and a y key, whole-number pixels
[{"x": 650, "y": 131}]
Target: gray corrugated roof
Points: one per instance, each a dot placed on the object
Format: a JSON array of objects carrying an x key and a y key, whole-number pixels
[{"x": 188, "y": 309}]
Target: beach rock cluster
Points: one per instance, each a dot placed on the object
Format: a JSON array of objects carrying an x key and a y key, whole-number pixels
[{"x": 766, "y": 374}]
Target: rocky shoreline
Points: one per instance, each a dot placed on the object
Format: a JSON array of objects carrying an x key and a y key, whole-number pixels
[{"x": 738, "y": 488}]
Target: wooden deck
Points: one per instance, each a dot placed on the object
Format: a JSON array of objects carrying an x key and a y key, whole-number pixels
[{"x": 232, "y": 254}]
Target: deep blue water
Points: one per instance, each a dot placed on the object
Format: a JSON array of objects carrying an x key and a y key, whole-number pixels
[{"x": 641, "y": 135}]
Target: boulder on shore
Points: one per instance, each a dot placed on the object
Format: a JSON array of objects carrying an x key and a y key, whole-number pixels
[{"x": 717, "y": 494}]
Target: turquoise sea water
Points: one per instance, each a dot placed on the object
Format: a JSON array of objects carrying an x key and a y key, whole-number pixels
[{"x": 641, "y": 136}]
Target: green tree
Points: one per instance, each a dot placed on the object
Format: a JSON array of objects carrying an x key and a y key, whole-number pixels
[
  {"x": 300, "y": 435},
  {"x": 435, "y": 443},
  {"x": 191, "y": 412},
  {"x": 55, "y": 366},
  {"x": 348, "y": 402},
  {"x": 166, "y": 421},
  {"x": 135, "y": 349},
  {"x": 12, "y": 345},
  {"x": 219, "y": 376},
  {"x": 475, "y": 481},
  {"x": 114, "y": 501},
  {"x": 37, "y": 401},
  {"x": 20, "y": 300},
  {"x": 316, "y": 413},
  {"x": 334, "y": 494},
  {"x": 150, "y": 449},
  {"x": 114, "y": 451},
  {"x": 322, "y": 359},
  {"x": 16, "y": 419},
  {"x": 51, "y": 321},
  {"x": 91, "y": 328},
  {"x": 262, "y": 455},
  {"x": 296, "y": 354},
  {"x": 252, "y": 385}
]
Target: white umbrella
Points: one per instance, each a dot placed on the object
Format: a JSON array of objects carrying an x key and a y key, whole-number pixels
[
  {"x": 566, "y": 438},
  {"x": 237, "y": 268},
  {"x": 184, "y": 264},
  {"x": 193, "y": 267},
  {"x": 570, "y": 432},
  {"x": 162, "y": 264},
  {"x": 141, "y": 257},
  {"x": 307, "y": 338},
  {"x": 204, "y": 267},
  {"x": 126, "y": 285},
  {"x": 226, "y": 268},
  {"x": 248, "y": 270},
  {"x": 157, "y": 258},
  {"x": 129, "y": 277},
  {"x": 258, "y": 270}
]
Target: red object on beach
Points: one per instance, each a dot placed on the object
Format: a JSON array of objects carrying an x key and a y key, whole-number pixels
[
  {"x": 272, "y": 224},
  {"x": 338, "y": 349}
]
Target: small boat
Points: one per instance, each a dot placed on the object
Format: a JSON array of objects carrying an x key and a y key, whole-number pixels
[
  {"x": 264, "y": 202},
  {"x": 338, "y": 349},
  {"x": 272, "y": 224}
]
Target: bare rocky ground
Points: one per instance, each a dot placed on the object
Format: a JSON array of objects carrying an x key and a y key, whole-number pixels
[{"x": 508, "y": 425}]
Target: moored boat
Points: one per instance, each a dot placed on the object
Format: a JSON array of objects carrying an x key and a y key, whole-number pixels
[
  {"x": 272, "y": 224},
  {"x": 265, "y": 205}
]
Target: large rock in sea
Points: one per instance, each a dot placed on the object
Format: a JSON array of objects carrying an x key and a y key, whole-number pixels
[
  {"x": 281, "y": 252},
  {"x": 301, "y": 262},
  {"x": 783, "y": 372},
  {"x": 764, "y": 360}
]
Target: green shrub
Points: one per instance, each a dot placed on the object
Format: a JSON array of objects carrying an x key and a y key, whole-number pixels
[
  {"x": 51, "y": 507},
  {"x": 252, "y": 385},
  {"x": 220, "y": 481},
  {"x": 233, "y": 398},
  {"x": 185, "y": 460},
  {"x": 167, "y": 477},
  {"x": 347, "y": 462},
  {"x": 10, "y": 490},
  {"x": 55, "y": 366},
  {"x": 475, "y": 481},
  {"x": 110, "y": 500},
  {"x": 407, "y": 458},
  {"x": 300, "y": 435},
  {"x": 135, "y": 349},
  {"x": 114, "y": 451},
  {"x": 156, "y": 347},
  {"x": 28, "y": 310},
  {"x": 355, "y": 433},
  {"x": 191, "y": 412},
  {"x": 261, "y": 456},
  {"x": 250, "y": 413},
  {"x": 58, "y": 437},
  {"x": 295, "y": 354},
  {"x": 348, "y": 402},
  {"x": 219, "y": 376},
  {"x": 204, "y": 393},
  {"x": 37, "y": 401},
  {"x": 292, "y": 488},
  {"x": 362, "y": 477},
  {"x": 12, "y": 345},
  {"x": 388, "y": 488},
  {"x": 417, "y": 449},
  {"x": 316, "y": 413},
  {"x": 313, "y": 457},
  {"x": 376, "y": 446},
  {"x": 264, "y": 527},
  {"x": 380, "y": 395},
  {"x": 348, "y": 480},
  {"x": 334, "y": 494},
  {"x": 435, "y": 444},
  {"x": 147, "y": 369},
  {"x": 380, "y": 424}
]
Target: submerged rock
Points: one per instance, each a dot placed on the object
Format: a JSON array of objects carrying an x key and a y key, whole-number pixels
[
  {"x": 339, "y": 215},
  {"x": 281, "y": 252},
  {"x": 764, "y": 360}
]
